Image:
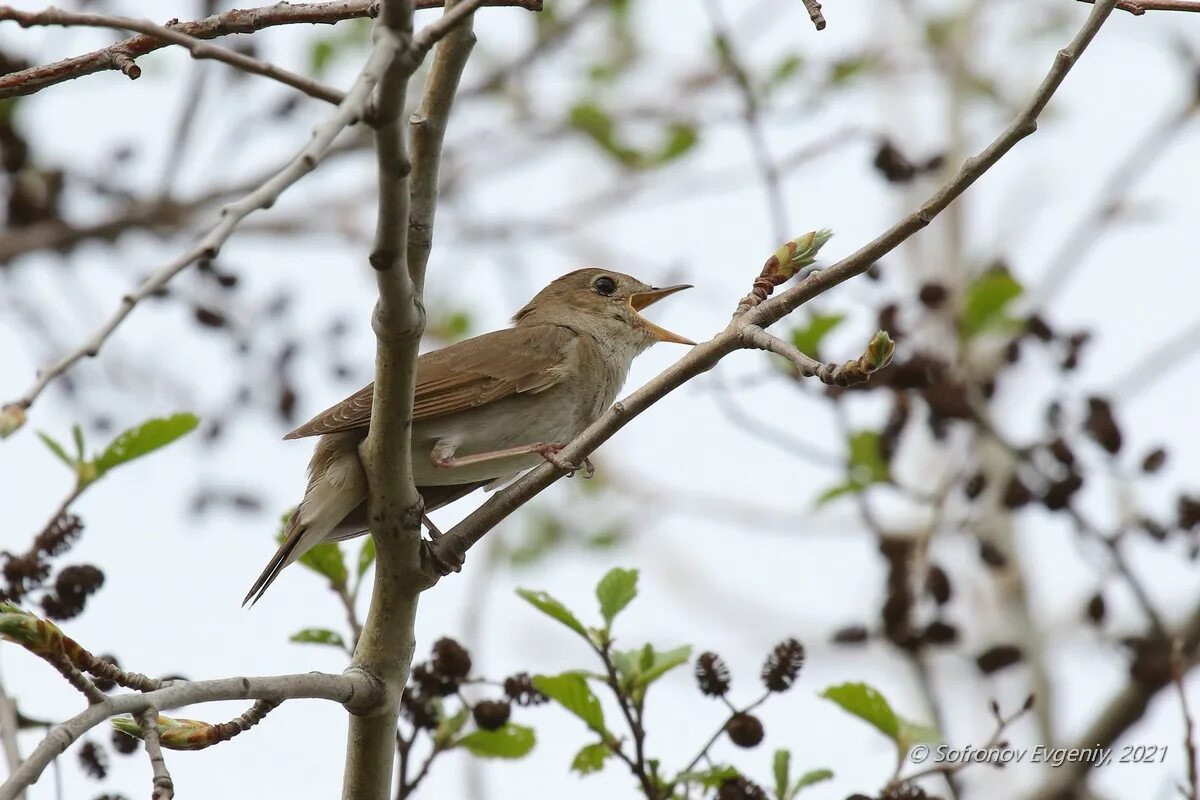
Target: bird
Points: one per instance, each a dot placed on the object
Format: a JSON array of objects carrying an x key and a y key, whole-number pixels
[{"x": 486, "y": 408}]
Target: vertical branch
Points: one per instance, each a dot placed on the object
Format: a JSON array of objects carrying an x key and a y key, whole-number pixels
[
  {"x": 387, "y": 642},
  {"x": 8, "y": 734},
  {"x": 385, "y": 648},
  {"x": 428, "y": 129},
  {"x": 164, "y": 787}
]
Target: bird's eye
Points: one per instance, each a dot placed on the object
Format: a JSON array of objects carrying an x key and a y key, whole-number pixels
[{"x": 605, "y": 285}]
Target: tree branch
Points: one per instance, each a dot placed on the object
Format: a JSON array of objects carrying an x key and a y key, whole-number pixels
[
  {"x": 1139, "y": 7},
  {"x": 198, "y": 48},
  {"x": 354, "y": 690},
  {"x": 1122, "y": 712},
  {"x": 352, "y": 108},
  {"x": 452, "y": 547},
  {"x": 877, "y": 356},
  {"x": 385, "y": 648},
  {"x": 121, "y": 55},
  {"x": 427, "y": 129},
  {"x": 164, "y": 787}
]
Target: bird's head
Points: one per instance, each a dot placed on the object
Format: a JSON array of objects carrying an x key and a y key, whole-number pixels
[{"x": 602, "y": 302}]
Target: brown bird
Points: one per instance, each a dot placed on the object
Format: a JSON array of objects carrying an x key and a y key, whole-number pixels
[{"x": 485, "y": 409}]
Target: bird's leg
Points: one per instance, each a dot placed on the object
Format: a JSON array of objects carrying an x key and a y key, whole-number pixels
[
  {"x": 550, "y": 453},
  {"x": 434, "y": 533},
  {"x": 442, "y": 456}
]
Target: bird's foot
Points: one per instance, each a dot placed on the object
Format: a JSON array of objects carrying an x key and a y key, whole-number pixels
[
  {"x": 550, "y": 452},
  {"x": 434, "y": 533},
  {"x": 443, "y": 565}
]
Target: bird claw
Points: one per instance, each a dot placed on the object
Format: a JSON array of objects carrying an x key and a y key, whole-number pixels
[
  {"x": 444, "y": 566},
  {"x": 550, "y": 453}
]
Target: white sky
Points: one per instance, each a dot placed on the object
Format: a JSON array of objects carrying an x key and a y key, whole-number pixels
[{"x": 174, "y": 583}]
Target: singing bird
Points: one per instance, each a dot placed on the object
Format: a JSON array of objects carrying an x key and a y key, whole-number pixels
[{"x": 486, "y": 408}]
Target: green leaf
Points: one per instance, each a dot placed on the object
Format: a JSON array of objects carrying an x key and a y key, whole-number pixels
[
  {"x": 916, "y": 733},
  {"x": 591, "y": 758},
  {"x": 508, "y": 741},
  {"x": 834, "y": 492},
  {"x": 986, "y": 300},
  {"x": 787, "y": 67},
  {"x": 326, "y": 559},
  {"x": 866, "y": 703},
  {"x": 847, "y": 69},
  {"x": 865, "y": 466},
  {"x": 810, "y": 778},
  {"x": 598, "y": 125},
  {"x": 681, "y": 138},
  {"x": 660, "y": 662},
  {"x": 866, "y": 458},
  {"x": 77, "y": 435},
  {"x": 57, "y": 449},
  {"x": 449, "y": 727},
  {"x": 320, "y": 56},
  {"x": 366, "y": 556},
  {"x": 710, "y": 778},
  {"x": 782, "y": 769},
  {"x": 551, "y": 607},
  {"x": 615, "y": 591},
  {"x": 318, "y": 636},
  {"x": 808, "y": 339},
  {"x": 145, "y": 438},
  {"x": 572, "y": 692}
]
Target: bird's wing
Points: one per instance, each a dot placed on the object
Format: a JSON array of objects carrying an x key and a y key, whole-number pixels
[{"x": 464, "y": 375}]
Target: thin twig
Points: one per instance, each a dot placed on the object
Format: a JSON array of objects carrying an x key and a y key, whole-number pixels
[
  {"x": 354, "y": 689},
  {"x": 1071, "y": 255},
  {"x": 847, "y": 374},
  {"x": 121, "y": 55},
  {"x": 451, "y": 548},
  {"x": 1178, "y": 671},
  {"x": 8, "y": 733},
  {"x": 164, "y": 787},
  {"x": 1139, "y": 7},
  {"x": 764, "y": 162},
  {"x": 352, "y": 108},
  {"x": 197, "y": 47}
]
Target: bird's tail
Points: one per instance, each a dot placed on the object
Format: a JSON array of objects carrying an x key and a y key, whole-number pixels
[{"x": 336, "y": 487}]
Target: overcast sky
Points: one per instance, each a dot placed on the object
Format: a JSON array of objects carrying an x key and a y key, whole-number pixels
[{"x": 175, "y": 582}]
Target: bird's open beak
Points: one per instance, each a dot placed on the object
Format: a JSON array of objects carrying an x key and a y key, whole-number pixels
[{"x": 641, "y": 300}]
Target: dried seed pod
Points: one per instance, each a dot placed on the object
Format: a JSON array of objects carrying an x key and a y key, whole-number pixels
[
  {"x": 745, "y": 730},
  {"x": 521, "y": 691},
  {"x": 712, "y": 675},
  {"x": 997, "y": 658},
  {"x": 419, "y": 709},
  {"x": 893, "y": 165},
  {"x": 491, "y": 714},
  {"x": 1154, "y": 460},
  {"x": 783, "y": 665},
  {"x": 123, "y": 743},
  {"x": 450, "y": 659},
  {"x": 1016, "y": 493},
  {"x": 937, "y": 584},
  {"x": 431, "y": 683},
  {"x": 740, "y": 788},
  {"x": 59, "y": 535},
  {"x": 852, "y": 634},
  {"x": 933, "y": 295},
  {"x": 93, "y": 760},
  {"x": 1101, "y": 424},
  {"x": 940, "y": 633}
]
